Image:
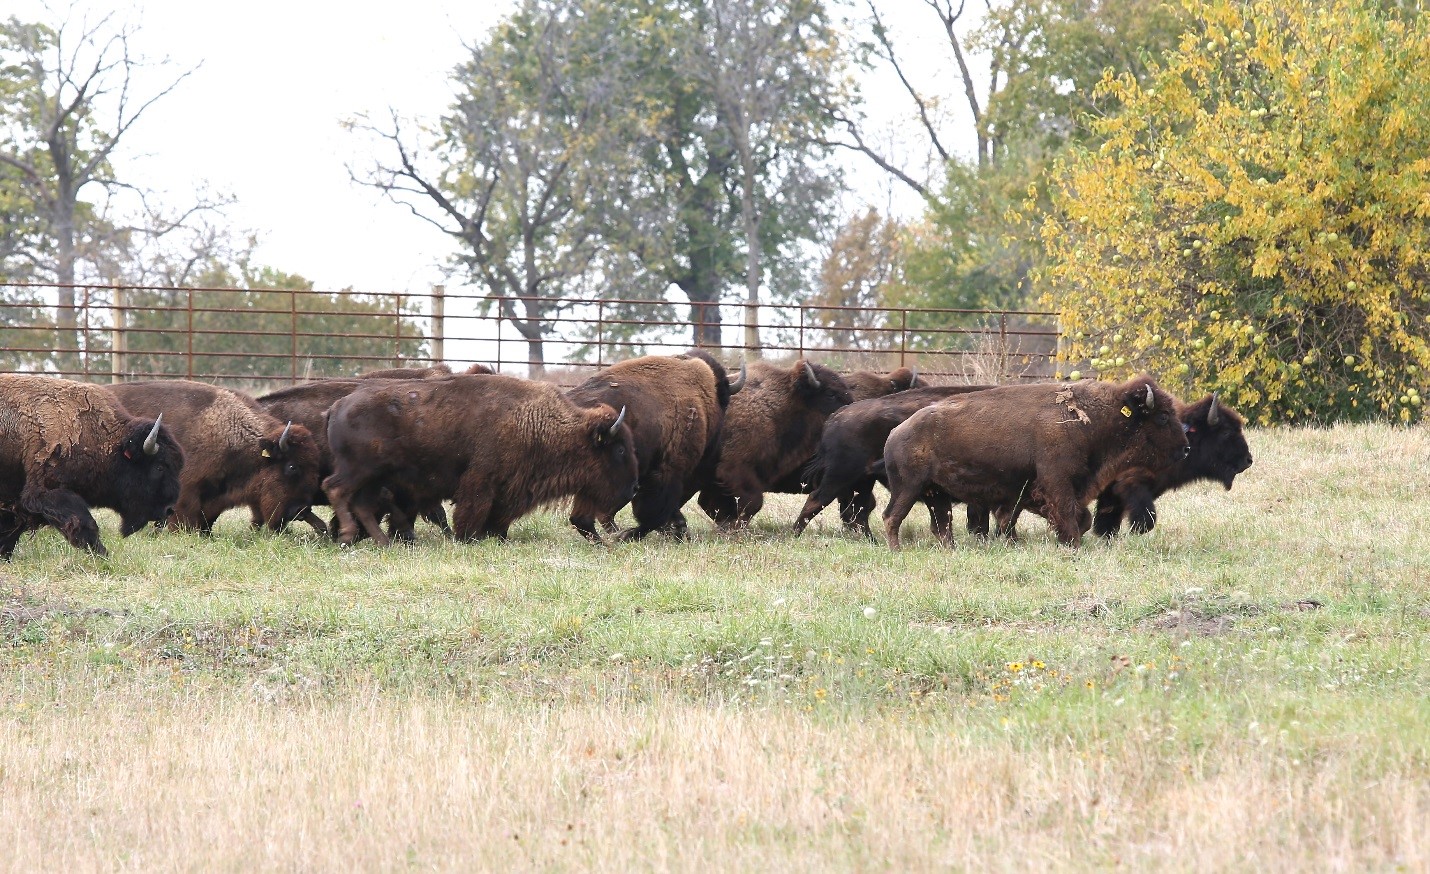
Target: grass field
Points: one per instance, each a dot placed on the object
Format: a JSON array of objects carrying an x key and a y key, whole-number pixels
[{"x": 1248, "y": 688}]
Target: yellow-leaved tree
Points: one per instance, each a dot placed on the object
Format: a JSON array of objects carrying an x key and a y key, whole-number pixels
[{"x": 1257, "y": 218}]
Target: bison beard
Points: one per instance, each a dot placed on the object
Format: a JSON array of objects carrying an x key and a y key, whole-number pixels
[
  {"x": 67, "y": 446},
  {"x": 499, "y": 447},
  {"x": 1055, "y": 446},
  {"x": 238, "y": 455},
  {"x": 675, "y": 406}
]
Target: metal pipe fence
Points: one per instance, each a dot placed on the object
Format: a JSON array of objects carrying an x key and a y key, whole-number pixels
[{"x": 248, "y": 337}]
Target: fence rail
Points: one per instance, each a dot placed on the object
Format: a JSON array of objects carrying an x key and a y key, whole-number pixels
[{"x": 241, "y": 336}]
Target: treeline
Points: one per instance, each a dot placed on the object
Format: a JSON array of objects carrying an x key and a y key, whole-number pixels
[{"x": 1229, "y": 193}]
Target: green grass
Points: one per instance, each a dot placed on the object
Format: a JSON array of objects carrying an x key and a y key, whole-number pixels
[{"x": 1279, "y": 629}]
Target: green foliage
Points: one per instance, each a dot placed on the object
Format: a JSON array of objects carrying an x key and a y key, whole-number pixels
[
  {"x": 247, "y": 322},
  {"x": 1255, "y": 222}
]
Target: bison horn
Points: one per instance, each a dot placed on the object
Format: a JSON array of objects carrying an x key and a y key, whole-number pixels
[
  {"x": 619, "y": 419},
  {"x": 1213, "y": 417},
  {"x": 151, "y": 443},
  {"x": 739, "y": 383},
  {"x": 1151, "y": 402},
  {"x": 809, "y": 372},
  {"x": 913, "y": 376},
  {"x": 283, "y": 438}
]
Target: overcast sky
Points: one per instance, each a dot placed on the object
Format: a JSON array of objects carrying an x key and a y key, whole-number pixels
[{"x": 260, "y": 120}]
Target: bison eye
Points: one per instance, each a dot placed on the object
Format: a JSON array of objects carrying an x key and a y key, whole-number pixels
[{"x": 1161, "y": 418}]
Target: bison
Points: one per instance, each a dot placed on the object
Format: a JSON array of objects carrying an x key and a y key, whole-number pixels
[
  {"x": 238, "y": 454},
  {"x": 436, "y": 371},
  {"x": 1218, "y": 453},
  {"x": 499, "y": 447},
  {"x": 1055, "y": 446},
  {"x": 770, "y": 432},
  {"x": 674, "y": 407},
  {"x": 68, "y": 446},
  {"x": 866, "y": 384},
  {"x": 852, "y": 448}
]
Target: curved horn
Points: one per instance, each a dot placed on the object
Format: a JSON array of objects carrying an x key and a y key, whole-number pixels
[
  {"x": 151, "y": 443},
  {"x": 913, "y": 376},
  {"x": 617, "y": 424},
  {"x": 283, "y": 438},
  {"x": 739, "y": 383},
  {"x": 809, "y": 372},
  {"x": 1151, "y": 401},
  {"x": 1213, "y": 417}
]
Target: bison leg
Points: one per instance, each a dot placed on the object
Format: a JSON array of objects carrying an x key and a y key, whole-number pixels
[
  {"x": 584, "y": 519},
  {"x": 655, "y": 504},
  {"x": 902, "y": 497},
  {"x": 1007, "y": 520},
  {"x": 69, "y": 513},
  {"x": 314, "y": 520},
  {"x": 1064, "y": 513},
  {"x": 436, "y": 514},
  {"x": 12, "y": 527},
  {"x": 1141, "y": 510},
  {"x": 364, "y": 510},
  {"x": 341, "y": 495},
  {"x": 1107, "y": 521},
  {"x": 855, "y": 507},
  {"x": 977, "y": 520},
  {"x": 940, "y": 507},
  {"x": 469, "y": 516}
]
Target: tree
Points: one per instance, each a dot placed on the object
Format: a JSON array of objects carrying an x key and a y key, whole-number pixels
[
  {"x": 1026, "y": 76},
  {"x": 72, "y": 93},
  {"x": 507, "y": 172},
  {"x": 769, "y": 67},
  {"x": 1255, "y": 221},
  {"x": 863, "y": 265}
]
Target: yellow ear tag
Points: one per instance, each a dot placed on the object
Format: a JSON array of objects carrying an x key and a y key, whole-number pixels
[
  {"x": 267, "y": 454},
  {"x": 1127, "y": 411}
]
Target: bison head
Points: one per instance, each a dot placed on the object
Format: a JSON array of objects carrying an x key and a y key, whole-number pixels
[
  {"x": 1219, "y": 451},
  {"x": 905, "y": 378},
  {"x": 288, "y": 478},
  {"x": 611, "y": 481},
  {"x": 820, "y": 388},
  {"x": 144, "y": 476},
  {"x": 1152, "y": 413}
]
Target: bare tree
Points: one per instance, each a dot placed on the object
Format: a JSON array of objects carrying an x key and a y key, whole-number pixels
[
  {"x": 506, "y": 172},
  {"x": 770, "y": 66},
  {"x": 78, "y": 95}
]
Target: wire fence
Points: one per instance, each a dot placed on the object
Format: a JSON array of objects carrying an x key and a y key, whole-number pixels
[{"x": 248, "y": 337}]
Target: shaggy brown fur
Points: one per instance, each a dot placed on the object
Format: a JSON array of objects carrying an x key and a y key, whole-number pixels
[
  {"x": 674, "y": 409},
  {"x": 436, "y": 371},
  {"x": 771, "y": 430},
  {"x": 499, "y": 447},
  {"x": 1055, "y": 445},
  {"x": 233, "y": 454},
  {"x": 67, "y": 446}
]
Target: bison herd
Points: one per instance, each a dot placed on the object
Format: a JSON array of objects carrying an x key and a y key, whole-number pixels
[{"x": 391, "y": 446}]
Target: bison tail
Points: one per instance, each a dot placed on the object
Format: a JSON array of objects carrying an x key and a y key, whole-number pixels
[
  {"x": 879, "y": 472},
  {"x": 813, "y": 472}
]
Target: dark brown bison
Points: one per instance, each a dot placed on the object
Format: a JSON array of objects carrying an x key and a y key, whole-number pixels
[
  {"x": 1218, "y": 453},
  {"x": 66, "y": 447},
  {"x": 851, "y": 452},
  {"x": 1056, "y": 446},
  {"x": 499, "y": 447},
  {"x": 674, "y": 406},
  {"x": 866, "y": 384},
  {"x": 771, "y": 430},
  {"x": 236, "y": 453},
  {"x": 308, "y": 405}
]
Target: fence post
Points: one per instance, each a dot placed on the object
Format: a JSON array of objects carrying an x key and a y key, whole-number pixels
[
  {"x": 903, "y": 335},
  {"x": 293, "y": 336},
  {"x": 439, "y": 323},
  {"x": 190, "y": 335},
  {"x": 118, "y": 341}
]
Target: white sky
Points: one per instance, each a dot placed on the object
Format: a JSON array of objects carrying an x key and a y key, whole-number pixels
[{"x": 260, "y": 120}]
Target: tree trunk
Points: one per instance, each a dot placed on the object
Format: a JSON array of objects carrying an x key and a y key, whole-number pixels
[
  {"x": 67, "y": 341},
  {"x": 753, "y": 259}
]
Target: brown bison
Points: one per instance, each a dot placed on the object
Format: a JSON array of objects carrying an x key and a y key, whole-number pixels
[
  {"x": 1218, "y": 453},
  {"x": 308, "y": 405},
  {"x": 499, "y": 447},
  {"x": 851, "y": 452},
  {"x": 66, "y": 447},
  {"x": 436, "y": 371},
  {"x": 1055, "y": 446},
  {"x": 237, "y": 454},
  {"x": 770, "y": 432},
  {"x": 866, "y": 384},
  {"x": 674, "y": 406}
]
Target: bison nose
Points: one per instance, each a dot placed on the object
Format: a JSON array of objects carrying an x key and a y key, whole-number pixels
[{"x": 1246, "y": 462}]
